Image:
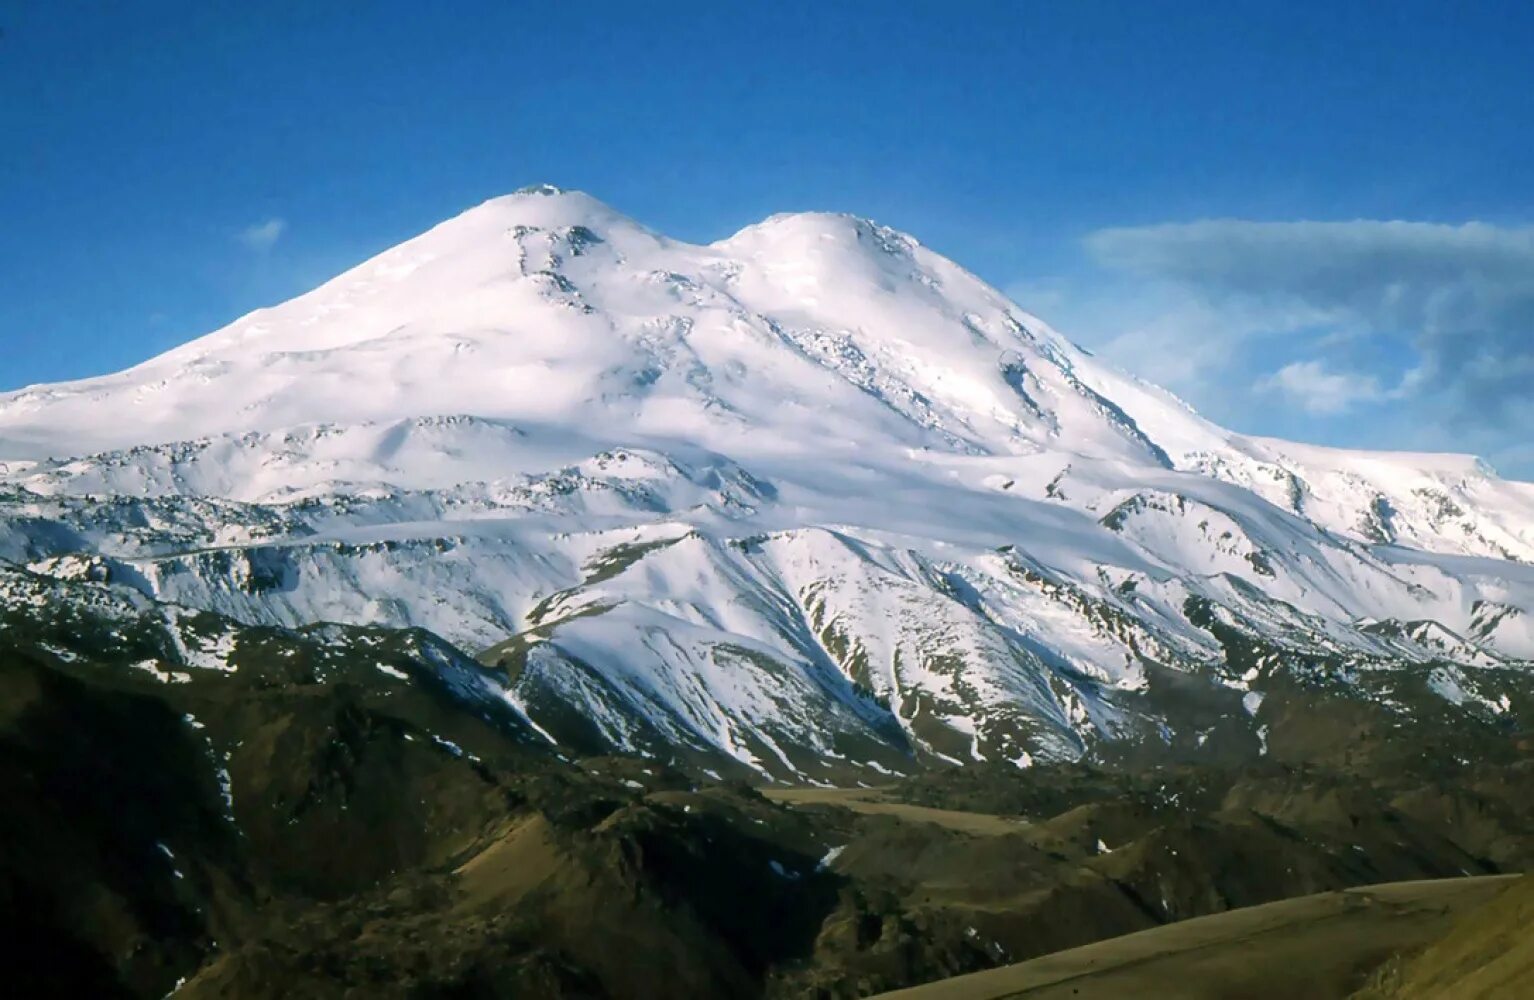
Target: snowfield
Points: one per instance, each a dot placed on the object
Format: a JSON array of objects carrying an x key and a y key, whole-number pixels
[{"x": 810, "y": 493}]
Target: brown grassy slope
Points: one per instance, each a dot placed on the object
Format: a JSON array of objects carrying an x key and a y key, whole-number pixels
[
  {"x": 1317, "y": 947},
  {"x": 872, "y": 802},
  {"x": 1488, "y": 955}
]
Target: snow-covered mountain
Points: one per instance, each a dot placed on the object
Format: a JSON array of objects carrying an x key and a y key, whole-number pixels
[{"x": 809, "y": 498}]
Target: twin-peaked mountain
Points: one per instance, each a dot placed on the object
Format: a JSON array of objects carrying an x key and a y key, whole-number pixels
[{"x": 808, "y": 500}]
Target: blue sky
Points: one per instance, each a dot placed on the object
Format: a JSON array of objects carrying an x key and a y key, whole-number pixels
[{"x": 1309, "y": 221}]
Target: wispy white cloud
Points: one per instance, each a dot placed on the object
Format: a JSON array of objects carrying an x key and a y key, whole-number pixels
[
  {"x": 1321, "y": 391},
  {"x": 1374, "y": 333},
  {"x": 262, "y": 236},
  {"x": 1459, "y": 299}
]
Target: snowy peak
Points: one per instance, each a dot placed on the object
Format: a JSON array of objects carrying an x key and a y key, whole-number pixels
[
  {"x": 541, "y": 207},
  {"x": 809, "y": 493},
  {"x": 813, "y": 335},
  {"x": 487, "y": 246},
  {"x": 807, "y": 332},
  {"x": 549, "y": 307}
]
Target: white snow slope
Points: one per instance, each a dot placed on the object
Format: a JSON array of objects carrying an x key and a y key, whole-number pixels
[{"x": 810, "y": 493}]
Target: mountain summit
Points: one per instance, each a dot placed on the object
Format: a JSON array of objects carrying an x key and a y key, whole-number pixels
[
  {"x": 808, "y": 497},
  {"x": 548, "y": 307}
]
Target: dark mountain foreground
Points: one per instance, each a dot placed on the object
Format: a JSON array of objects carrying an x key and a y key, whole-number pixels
[{"x": 321, "y": 816}]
